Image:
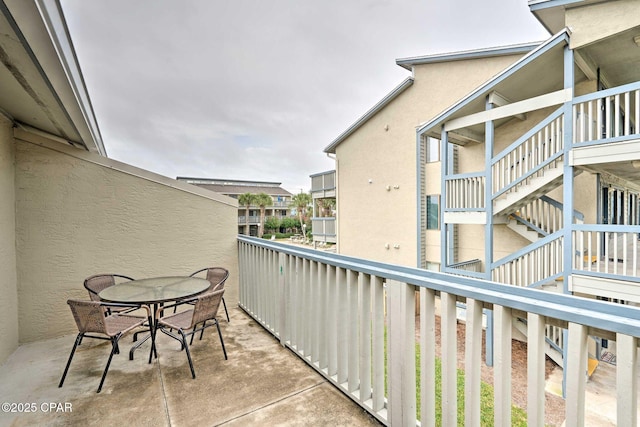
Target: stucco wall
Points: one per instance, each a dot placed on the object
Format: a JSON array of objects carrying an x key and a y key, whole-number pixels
[
  {"x": 598, "y": 21},
  {"x": 382, "y": 153},
  {"x": 81, "y": 216},
  {"x": 8, "y": 281}
]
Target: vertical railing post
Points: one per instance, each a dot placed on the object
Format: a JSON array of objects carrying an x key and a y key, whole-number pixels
[
  {"x": 343, "y": 319},
  {"x": 502, "y": 370},
  {"x": 401, "y": 354},
  {"x": 473, "y": 359},
  {"x": 427, "y": 357},
  {"x": 449, "y": 338},
  {"x": 353, "y": 360},
  {"x": 332, "y": 321},
  {"x": 282, "y": 293},
  {"x": 378, "y": 343},
  {"x": 535, "y": 369},
  {"x": 627, "y": 380},
  {"x": 576, "y": 374},
  {"x": 364, "y": 295}
]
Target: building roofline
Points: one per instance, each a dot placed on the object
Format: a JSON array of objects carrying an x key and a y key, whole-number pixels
[
  {"x": 232, "y": 181},
  {"x": 362, "y": 120},
  {"x": 515, "y": 49},
  {"x": 322, "y": 173}
]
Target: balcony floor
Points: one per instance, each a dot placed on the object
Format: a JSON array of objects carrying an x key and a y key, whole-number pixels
[{"x": 261, "y": 383}]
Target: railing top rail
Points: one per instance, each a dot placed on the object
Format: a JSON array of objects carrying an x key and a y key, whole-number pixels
[
  {"x": 559, "y": 205},
  {"x": 607, "y": 92},
  {"x": 464, "y": 175},
  {"x": 531, "y": 247},
  {"x": 529, "y": 173},
  {"x": 589, "y": 312},
  {"x": 537, "y": 128},
  {"x": 612, "y": 228},
  {"x": 458, "y": 264}
]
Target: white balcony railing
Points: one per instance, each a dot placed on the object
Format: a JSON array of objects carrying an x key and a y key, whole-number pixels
[
  {"x": 610, "y": 115},
  {"x": 465, "y": 192},
  {"x": 607, "y": 250},
  {"x": 345, "y": 316}
]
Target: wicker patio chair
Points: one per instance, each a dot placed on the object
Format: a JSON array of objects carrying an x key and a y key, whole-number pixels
[
  {"x": 217, "y": 276},
  {"x": 90, "y": 318},
  {"x": 97, "y": 283},
  {"x": 205, "y": 308}
]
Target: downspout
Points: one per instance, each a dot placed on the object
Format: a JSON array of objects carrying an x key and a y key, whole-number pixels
[{"x": 335, "y": 159}]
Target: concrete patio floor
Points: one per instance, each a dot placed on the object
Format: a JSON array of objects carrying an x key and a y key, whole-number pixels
[{"x": 261, "y": 383}]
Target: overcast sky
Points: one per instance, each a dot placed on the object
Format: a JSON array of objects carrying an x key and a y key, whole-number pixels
[{"x": 255, "y": 90}]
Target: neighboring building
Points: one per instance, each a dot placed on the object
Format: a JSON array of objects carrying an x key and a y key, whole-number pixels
[
  {"x": 235, "y": 188},
  {"x": 525, "y": 165},
  {"x": 323, "y": 193}
]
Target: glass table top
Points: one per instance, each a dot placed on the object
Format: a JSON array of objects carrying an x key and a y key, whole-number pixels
[{"x": 155, "y": 289}]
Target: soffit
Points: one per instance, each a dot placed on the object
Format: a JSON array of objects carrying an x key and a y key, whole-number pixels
[
  {"x": 618, "y": 58},
  {"x": 35, "y": 87}
]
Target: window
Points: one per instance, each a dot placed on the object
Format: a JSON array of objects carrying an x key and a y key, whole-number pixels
[
  {"x": 433, "y": 212},
  {"x": 433, "y": 266},
  {"x": 433, "y": 150}
]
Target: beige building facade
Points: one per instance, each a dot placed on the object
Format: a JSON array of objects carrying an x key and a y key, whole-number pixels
[{"x": 376, "y": 172}]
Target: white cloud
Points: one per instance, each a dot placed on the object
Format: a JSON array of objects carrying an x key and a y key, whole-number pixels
[{"x": 256, "y": 89}]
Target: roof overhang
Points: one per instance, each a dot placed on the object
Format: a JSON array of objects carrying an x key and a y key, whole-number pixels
[
  {"x": 535, "y": 81},
  {"x": 551, "y": 13},
  {"x": 519, "y": 49},
  {"x": 40, "y": 79}
]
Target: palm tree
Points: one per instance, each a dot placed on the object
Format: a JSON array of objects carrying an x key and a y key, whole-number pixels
[
  {"x": 263, "y": 200},
  {"x": 301, "y": 201},
  {"x": 246, "y": 200}
]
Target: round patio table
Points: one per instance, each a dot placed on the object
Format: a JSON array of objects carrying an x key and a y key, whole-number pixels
[{"x": 154, "y": 291}]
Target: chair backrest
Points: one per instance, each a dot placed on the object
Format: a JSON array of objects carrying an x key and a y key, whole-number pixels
[
  {"x": 206, "y": 307},
  {"x": 95, "y": 284},
  {"x": 89, "y": 315},
  {"x": 216, "y": 276}
]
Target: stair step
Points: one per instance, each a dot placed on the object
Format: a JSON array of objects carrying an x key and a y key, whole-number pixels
[{"x": 592, "y": 364}]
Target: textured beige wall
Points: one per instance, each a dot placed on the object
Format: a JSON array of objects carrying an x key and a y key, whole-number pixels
[
  {"x": 8, "y": 280},
  {"x": 81, "y": 216},
  {"x": 598, "y": 21},
  {"x": 376, "y": 157}
]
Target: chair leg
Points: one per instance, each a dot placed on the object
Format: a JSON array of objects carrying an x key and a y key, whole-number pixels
[
  {"x": 186, "y": 348},
  {"x": 224, "y": 304},
  {"x": 114, "y": 347},
  {"x": 152, "y": 332},
  {"x": 73, "y": 351},
  {"x": 224, "y": 350}
]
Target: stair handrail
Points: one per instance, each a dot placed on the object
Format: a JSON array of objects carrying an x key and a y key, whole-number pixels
[
  {"x": 549, "y": 157},
  {"x": 531, "y": 247},
  {"x": 576, "y": 214},
  {"x": 538, "y": 218}
]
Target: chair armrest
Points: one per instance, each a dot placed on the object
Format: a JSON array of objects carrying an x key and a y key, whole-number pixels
[
  {"x": 124, "y": 305},
  {"x": 175, "y": 304}
]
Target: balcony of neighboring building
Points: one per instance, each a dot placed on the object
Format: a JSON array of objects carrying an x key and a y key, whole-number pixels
[{"x": 323, "y": 185}]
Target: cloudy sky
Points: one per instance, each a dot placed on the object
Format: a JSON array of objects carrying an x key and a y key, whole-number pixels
[{"x": 256, "y": 89}]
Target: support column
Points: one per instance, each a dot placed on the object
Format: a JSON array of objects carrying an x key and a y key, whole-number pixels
[
  {"x": 567, "y": 192},
  {"x": 444, "y": 162},
  {"x": 488, "y": 229}
]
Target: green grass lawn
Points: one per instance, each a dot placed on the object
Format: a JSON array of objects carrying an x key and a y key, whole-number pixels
[{"x": 518, "y": 415}]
